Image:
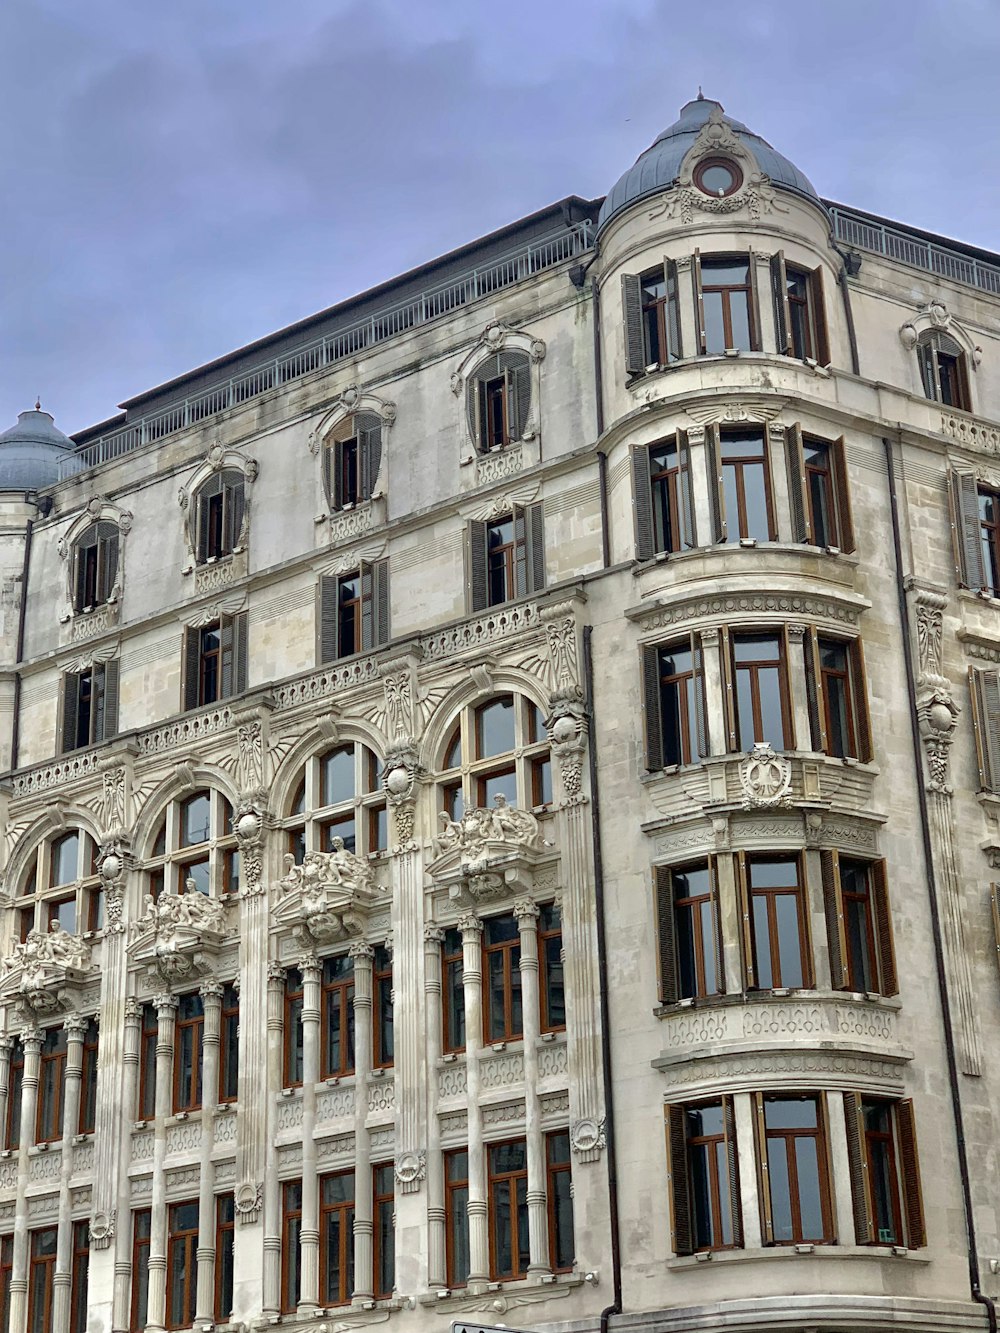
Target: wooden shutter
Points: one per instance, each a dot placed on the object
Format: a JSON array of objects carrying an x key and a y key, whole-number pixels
[
  {"x": 107, "y": 559},
  {"x": 226, "y": 644},
  {"x": 479, "y": 588},
  {"x": 519, "y": 394},
  {"x": 814, "y": 691},
  {"x": 819, "y": 316},
  {"x": 859, "y": 689},
  {"x": 234, "y": 502},
  {"x": 681, "y": 1228},
  {"x": 520, "y": 552},
  {"x": 964, "y": 392},
  {"x": 367, "y": 626},
  {"x": 699, "y": 301},
  {"x": 192, "y": 667},
  {"x": 746, "y": 918},
  {"x": 477, "y": 412},
  {"x": 200, "y": 519},
  {"x": 763, "y": 1175},
  {"x": 326, "y": 462},
  {"x": 888, "y": 979},
  {"x": 368, "y": 433},
  {"x": 842, "y": 491},
  {"x": 779, "y": 291},
  {"x": 995, "y": 910},
  {"x": 635, "y": 351},
  {"x": 798, "y": 493},
  {"x": 111, "y": 694},
  {"x": 685, "y": 493},
  {"x": 337, "y": 497},
  {"x": 966, "y": 530},
  {"x": 651, "y": 706},
  {"x": 329, "y": 597},
  {"x": 836, "y": 931},
  {"x": 720, "y": 957},
  {"x": 534, "y": 536},
  {"x": 985, "y": 687},
  {"x": 380, "y": 603},
  {"x": 642, "y": 503},
  {"x": 754, "y": 303},
  {"x": 732, "y": 1163},
  {"x": 675, "y": 347},
  {"x": 909, "y": 1172},
  {"x": 728, "y": 690},
  {"x": 857, "y": 1156},
  {"x": 71, "y": 710},
  {"x": 700, "y": 701},
  {"x": 666, "y": 935},
  {"x": 716, "y": 493},
  {"x": 241, "y": 628}
]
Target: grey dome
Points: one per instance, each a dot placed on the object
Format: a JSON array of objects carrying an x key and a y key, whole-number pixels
[
  {"x": 658, "y": 167},
  {"x": 31, "y": 452}
]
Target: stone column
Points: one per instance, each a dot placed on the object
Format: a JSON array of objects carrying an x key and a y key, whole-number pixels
[
  {"x": 310, "y": 969},
  {"x": 472, "y": 982},
  {"x": 701, "y": 479},
  {"x": 6, "y": 1046},
  {"x": 362, "y": 955},
  {"x": 746, "y": 1156},
  {"x": 75, "y": 1027},
  {"x": 211, "y": 996},
  {"x": 437, "y": 1266},
  {"x": 120, "y": 1229},
  {"x": 688, "y": 308},
  {"x": 166, "y": 1013},
  {"x": 255, "y": 1088},
  {"x": 718, "y": 735},
  {"x": 797, "y": 690},
  {"x": 538, "y": 1231},
  {"x": 842, "y": 1202},
  {"x": 768, "y": 333},
  {"x": 272, "y": 1186},
  {"x": 31, "y": 1042}
]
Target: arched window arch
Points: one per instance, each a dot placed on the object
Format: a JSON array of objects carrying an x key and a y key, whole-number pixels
[
  {"x": 220, "y": 515},
  {"x": 943, "y": 369},
  {"x": 195, "y": 840},
  {"x": 499, "y": 399},
  {"x": 338, "y": 795},
  {"x": 61, "y": 884},
  {"x": 352, "y": 456},
  {"x": 496, "y": 748},
  {"x": 95, "y": 565}
]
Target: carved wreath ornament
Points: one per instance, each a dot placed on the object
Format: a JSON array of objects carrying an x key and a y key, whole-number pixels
[{"x": 765, "y": 777}]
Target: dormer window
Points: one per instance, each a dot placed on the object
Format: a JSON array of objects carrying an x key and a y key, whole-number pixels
[
  {"x": 351, "y": 459},
  {"x": 942, "y": 370},
  {"x": 220, "y": 509},
  {"x": 718, "y": 176},
  {"x": 96, "y": 566}
]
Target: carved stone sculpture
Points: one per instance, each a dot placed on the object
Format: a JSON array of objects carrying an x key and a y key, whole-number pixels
[{"x": 328, "y": 896}]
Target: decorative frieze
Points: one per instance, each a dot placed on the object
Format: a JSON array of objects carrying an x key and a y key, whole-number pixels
[
  {"x": 494, "y": 626},
  {"x": 726, "y": 607}
]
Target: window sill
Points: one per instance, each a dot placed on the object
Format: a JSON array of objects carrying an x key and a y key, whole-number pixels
[
  {"x": 842, "y": 558},
  {"x": 779, "y": 995},
  {"x": 543, "y": 1287},
  {"x": 812, "y": 1250},
  {"x": 724, "y": 358}
]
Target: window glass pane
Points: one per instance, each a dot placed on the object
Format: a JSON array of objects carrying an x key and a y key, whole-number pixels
[
  {"x": 810, "y": 1204},
  {"x": 756, "y": 522},
  {"x": 65, "y": 913},
  {"x": 781, "y": 1201},
  {"x": 790, "y": 1113},
  {"x": 337, "y": 776},
  {"x": 789, "y": 950},
  {"x": 65, "y": 859},
  {"x": 724, "y": 1231},
  {"x": 460, "y": 1260},
  {"x": 733, "y": 271},
  {"x": 706, "y": 927},
  {"x": 495, "y": 727},
  {"x": 739, "y": 313},
  {"x": 773, "y": 874},
  {"x": 762, "y": 945},
  {"x": 772, "y": 724},
  {"x": 498, "y": 784},
  {"x": 196, "y": 816},
  {"x": 344, "y": 829},
  {"x": 199, "y": 872},
  {"x": 715, "y": 329},
  {"x": 453, "y": 755}
]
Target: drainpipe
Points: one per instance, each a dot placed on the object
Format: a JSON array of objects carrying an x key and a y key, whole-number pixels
[
  {"x": 15, "y": 730},
  {"x": 850, "y": 264},
  {"x": 602, "y": 969},
  {"x": 925, "y": 837},
  {"x": 578, "y": 275}
]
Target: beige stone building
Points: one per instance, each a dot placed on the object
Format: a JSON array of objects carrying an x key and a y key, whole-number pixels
[{"x": 502, "y": 788}]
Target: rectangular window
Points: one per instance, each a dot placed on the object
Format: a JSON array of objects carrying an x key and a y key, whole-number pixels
[
  {"x": 220, "y": 506},
  {"x": 182, "y": 1264},
  {"x": 837, "y": 695},
  {"x": 453, "y": 997},
  {"x": 506, "y": 557},
  {"x": 336, "y": 1238},
  {"x": 229, "y": 1045},
  {"x": 96, "y": 566},
  {"x": 456, "y": 1202},
  {"x": 89, "y": 705},
  {"x": 724, "y": 288},
  {"x": 88, "y": 1080},
  {"x": 507, "y": 1184},
  {"x": 41, "y": 1279},
  {"x": 674, "y": 690},
  {"x": 291, "y": 1241},
  {"x": 704, "y": 1182},
  {"x": 292, "y": 1072},
  {"x": 141, "y": 1230},
  {"x": 859, "y": 925},
  {"x": 760, "y": 708},
  {"x": 354, "y": 611},
  {"x": 225, "y": 1241},
  {"x": 337, "y": 1012},
  {"x": 777, "y": 955},
  {"x": 80, "y": 1274},
  {"x": 942, "y": 370},
  {"x": 215, "y": 661},
  {"x": 6, "y": 1277},
  {"x": 559, "y": 1193},
  {"x": 550, "y": 956},
  {"x": 660, "y": 316},
  {"x": 351, "y": 463},
  {"x": 502, "y": 1015},
  {"x": 383, "y": 1204},
  {"x": 799, "y": 313},
  {"x": 15, "y": 1081},
  {"x": 743, "y": 505},
  {"x": 818, "y": 491},
  {"x": 189, "y": 1035},
  {"x": 51, "y": 1085},
  {"x": 146, "y": 1109},
  {"x": 989, "y": 528},
  {"x": 500, "y": 400},
  {"x": 885, "y": 1172},
  {"x": 382, "y": 1030},
  {"x": 791, "y": 1140},
  {"x": 688, "y": 932}
]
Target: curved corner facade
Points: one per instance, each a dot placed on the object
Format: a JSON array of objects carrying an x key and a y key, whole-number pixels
[{"x": 518, "y": 753}]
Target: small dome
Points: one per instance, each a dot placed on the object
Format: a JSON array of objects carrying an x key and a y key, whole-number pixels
[
  {"x": 31, "y": 452},
  {"x": 658, "y": 167}
]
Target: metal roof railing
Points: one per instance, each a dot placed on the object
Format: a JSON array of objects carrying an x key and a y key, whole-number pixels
[
  {"x": 382, "y": 324},
  {"x": 909, "y": 249}
]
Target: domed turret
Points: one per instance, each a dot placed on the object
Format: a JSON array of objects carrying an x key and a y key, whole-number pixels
[
  {"x": 31, "y": 452},
  {"x": 660, "y": 166}
]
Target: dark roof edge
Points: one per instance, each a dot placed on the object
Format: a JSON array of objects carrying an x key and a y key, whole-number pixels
[{"x": 934, "y": 237}]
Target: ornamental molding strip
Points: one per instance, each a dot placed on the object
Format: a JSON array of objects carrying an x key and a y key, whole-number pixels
[
  {"x": 42, "y": 974},
  {"x": 179, "y": 934},
  {"x": 327, "y": 898},
  {"x": 782, "y": 1068},
  {"x": 488, "y": 853},
  {"x": 348, "y": 560},
  {"x": 749, "y": 606}
]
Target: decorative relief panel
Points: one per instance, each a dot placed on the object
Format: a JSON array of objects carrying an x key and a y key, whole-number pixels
[
  {"x": 225, "y": 1173},
  {"x": 555, "y": 1105},
  {"x": 502, "y": 622},
  {"x": 510, "y": 1113},
  {"x": 382, "y": 1095},
  {"x": 142, "y": 1187},
  {"x": 289, "y": 1114},
  {"x": 225, "y": 1129},
  {"x": 332, "y": 1105},
  {"x": 502, "y": 1071},
  {"x": 42, "y": 1207},
  {"x": 8, "y": 1174},
  {"x": 142, "y": 1146},
  {"x": 189, "y": 1175},
  {"x": 552, "y": 1060},
  {"x": 494, "y": 467},
  {"x": 782, "y": 1069},
  {"x": 451, "y": 1081},
  {"x": 45, "y": 1166},
  {"x": 185, "y": 1138},
  {"x": 731, "y": 606},
  {"x": 83, "y": 1159},
  {"x": 780, "y": 1020},
  {"x": 981, "y": 436},
  {"x": 340, "y": 1148}
]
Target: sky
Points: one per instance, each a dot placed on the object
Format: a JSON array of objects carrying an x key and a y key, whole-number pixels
[{"x": 181, "y": 178}]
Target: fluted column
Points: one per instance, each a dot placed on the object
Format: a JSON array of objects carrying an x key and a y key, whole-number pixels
[
  {"x": 362, "y": 955},
  {"x": 310, "y": 970},
  {"x": 75, "y": 1027},
  {"x": 166, "y": 1014},
  {"x": 437, "y": 1265},
  {"x": 472, "y": 985},
  {"x": 6, "y": 1046},
  {"x": 272, "y": 1186},
  {"x": 711, "y": 664},
  {"x": 800, "y": 704},
  {"x": 121, "y": 1234},
  {"x": 538, "y": 1232},
  {"x": 31, "y": 1042},
  {"x": 211, "y": 995}
]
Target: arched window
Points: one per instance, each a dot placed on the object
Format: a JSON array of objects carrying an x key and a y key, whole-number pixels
[
  {"x": 499, "y": 400},
  {"x": 338, "y": 795},
  {"x": 943, "y": 369},
  {"x": 195, "y": 841},
  {"x": 497, "y": 748},
  {"x": 220, "y": 508},
  {"x": 61, "y": 884},
  {"x": 352, "y": 455},
  {"x": 95, "y": 565}
]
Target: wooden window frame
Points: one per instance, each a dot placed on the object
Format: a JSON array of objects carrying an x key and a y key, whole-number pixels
[
  {"x": 679, "y": 1179},
  {"x": 806, "y": 526},
  {"x": 904, "y": 1170},
  {"x": 52, "y": 1069},
  {"x": 142, "y": 1220},
  {"x": 739, "y": 465},
  {"x": 95, "y": 566},
  {"x": 747, "y": 896},
  {"x": 230, "y": 658},
  {"x": 148, "y": 1038},
  {"x": 351, "y": 458},
  {"x": 546, "y": 987},
  {"x": 512, "y": 369},
  {"x": 341, "y": 987},
  {"x": 521, "y": 561},
  {"x": 345, "y": 1211},
  {"x": 725, "y": 291},
  {"x": 79, "y": 1278},
  {"x": 225, "y": 1238},
  {"x": 883, "y": 956},
  {"x": 554, "y": 1168},
  {"x": 732, "y": 668},
  {"x": 452, "y": 966},
  {"x": 46, "y": 1263},
  {"x": 661, "y": 312},
  {"x": 990, "y": 541},
  {"x": 292, "y": 1003},
  {"x": 382, "y": 1000},
  {"x": 189, "y": 1098},
  {"x": 820, "y": 1135},
  {"x": 89, "y": 705},
  {"x": 930, "y": 350},
  {"x": 220, "y": 511},
  {"x": 668, "y": 958},
  {"x": 383, "y": 1199},
  {"x": 6, "y": 1276},
  {"x": 87, "y": 1122},
  {"x": 817, "y": 677},
  {"x": 693, "y": 719},
  {"x": 229, "y": 1045},
  {"x": 370, "y": 627},
  {"x": 816, "y": 347},
  {"x": 290, "y": 1216},
  {"x": 452, "y": 1187},
  {"x": 498, "y": 1184},
  {"x": 506, "y": 949},
  {"x": 182, "y": 1241}
]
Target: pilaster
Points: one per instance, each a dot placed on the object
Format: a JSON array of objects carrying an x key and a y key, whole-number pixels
[
  {"x": 211, "y": 996},
  {"x": 31, "y": 1042},
  {"x": 526, "y": 913},
  {"x": 309, "y": 1297},
  {"x": 472, "y": 986},
  {"x": 362, "y": 955},
  {"x": 75, "y": 1027}
]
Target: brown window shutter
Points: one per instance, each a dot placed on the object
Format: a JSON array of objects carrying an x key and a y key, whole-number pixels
[
  {"x": 674, "y": 341},
  {"x": 864, "y": 1225},
  {"x": 834, "y": 906},
  {"x": 888, "y": 979},
  {"x": 720, "y": 957},
  {"x": 642, "y": 503},
  {"x": 754, "y": 305},
  {"x": 814, "y": 691},
  {"x": 241, "y": 633},
  {"x": 337, "y": 497},
  {"x": 685, "y": 498},
  {"x": 380, "y": 603},
  {"x": 520, "y": 552},
  {"x": 732, "y": 1164},
  {"x": 681, "y": 1228},
  {"x": 534, "y": 539},
  {"x": 746, "y": 919},
  {"x": 200, "y": 519},
  {"x": 716, "y": 491},
  {"x": 700, "y": 702},
  {"x": 327, "y": 462},
  {"x": 909, "y": 1172},
  {"x": 517, "y": 377},
  {"x": 859, "y": 688},
  {"x": 234, "y": 502},
  {"x": 227, "y": 639},
  {"x": 819, "y": 316},
  {"x": 995, "y": 910},
  {"x": 651, "y": 706},
  {"x": 368, "y": 429},
  {"x": 367, "y": 628},
  {"x": 699, "y": 301},
  {"x": 985, "y": 686},
  {"x": 635, "y": 350},
  {"x": 798, "y": 495},
  {"x": 728, "y": 692},
  {"x": 479, "y": 590},
  {"x": 192, "y": 667},
  {"x": 71, "y": 709},
  {"x": 107, "y": 559},
  {"x": 964, "y": 392},
  {"x": 966, "y": 529},
  {"x": 845, "y": 519},
  {"x": 111, "y": 695},
  {"x": 665, "y": 935},
  {"x": 763, "y": 1178},
  {"x": 329, "y": 591},
  {"x": 779, "y": 292}
]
